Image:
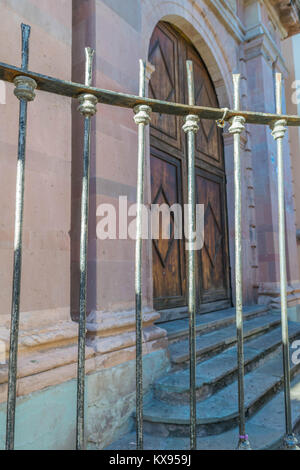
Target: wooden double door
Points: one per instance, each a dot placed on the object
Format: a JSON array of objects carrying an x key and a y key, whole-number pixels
[{"x": 168, "y": 52}]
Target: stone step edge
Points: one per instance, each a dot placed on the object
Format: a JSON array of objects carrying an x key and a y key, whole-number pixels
[
  {"x": 250, "y": 409},
  {"x": 216, "y": 324},
  {"x": 222, "y": 345},
  {"x": 158, "y": 388},
  {"x": 128, "y": 439}
]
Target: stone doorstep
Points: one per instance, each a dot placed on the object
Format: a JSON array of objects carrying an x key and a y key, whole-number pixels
[
  {"x": 211, "y": 321},
  {"x": 179, "y": 313},
  {"x": 215, "y": 372},
  {"x": 215, "y": 342}
]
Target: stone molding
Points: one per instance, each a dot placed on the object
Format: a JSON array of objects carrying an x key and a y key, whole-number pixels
[
  {"x": 284, "y": 13},
  {"x": 269, "y": 294},
  {"x": 288, "y": 13},
  {"x": 47, "y": 353},
  {"x": 105, "y": 323},
  {"x": 228, "y": 17},
  {"x": 258, "y": 42}
]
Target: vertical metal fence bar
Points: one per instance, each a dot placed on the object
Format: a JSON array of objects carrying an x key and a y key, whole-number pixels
[
  {"x": 236, "y": 128},
  {"x": 87, "y": 107},
  {"x": 142, "y": 119},
  {"x": 24, "y": 91},
  {"x": 278, "y": 132},
  {"x": 191, "y": 127}
]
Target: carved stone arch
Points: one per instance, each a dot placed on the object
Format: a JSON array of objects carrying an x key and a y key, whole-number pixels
[{"x": 198, "y": 28}]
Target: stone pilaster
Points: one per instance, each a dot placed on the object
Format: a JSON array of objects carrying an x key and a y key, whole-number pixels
[{"x": 262, "y": 59}]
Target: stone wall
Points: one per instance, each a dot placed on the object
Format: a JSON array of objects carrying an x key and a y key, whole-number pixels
[{"x": 46, "y": 247}]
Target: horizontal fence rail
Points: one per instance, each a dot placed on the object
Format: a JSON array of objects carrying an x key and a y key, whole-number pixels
[
  {"x": 73, "y": 90},
  {"x": 26, "y": 82}
]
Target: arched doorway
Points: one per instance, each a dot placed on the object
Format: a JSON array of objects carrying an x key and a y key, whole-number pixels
[{"x": 168, "y": 52}]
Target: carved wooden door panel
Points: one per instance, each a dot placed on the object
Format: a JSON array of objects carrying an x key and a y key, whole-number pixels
[
  {"x": 169, "y": 50},
  {"x": 212, "y": 259},
  {"x": 168, "y": 254}
]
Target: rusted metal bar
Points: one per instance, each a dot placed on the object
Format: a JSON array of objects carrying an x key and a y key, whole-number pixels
[
  {"x": 73, "y": 90},
  {"x": 142, "y": 119},
  {"x": 24, "y": 91},
  {"x": 191, "y": 127},
  {"x": 278, "y": 132},
  {"x": 236, "y": 128},
  {"x": 87, "y": 107}
]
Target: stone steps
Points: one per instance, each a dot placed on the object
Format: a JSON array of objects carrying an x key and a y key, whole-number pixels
[
  {"x": 266, "y": 430},
  {"x": 213, "y": 374},
  {"x": 210, "y": 344},
  {"x": 219, "y": 412},
  {"x": 166, "y": 407}
]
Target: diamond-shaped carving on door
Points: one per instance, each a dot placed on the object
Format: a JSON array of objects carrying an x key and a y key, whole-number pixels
[
  {"x": 162, "y": 246},
  {"x": 213, "y": 243},
  {"x": 160, "y": 76},
  {"x": 162, "y": 84},
  {"x": 203, "y": 99}
]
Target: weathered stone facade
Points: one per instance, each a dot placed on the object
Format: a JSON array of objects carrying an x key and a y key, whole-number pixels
[{"x": 230, "y": 36}]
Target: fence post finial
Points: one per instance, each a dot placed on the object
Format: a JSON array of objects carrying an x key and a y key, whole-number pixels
[{"x": 25, "y": 45}]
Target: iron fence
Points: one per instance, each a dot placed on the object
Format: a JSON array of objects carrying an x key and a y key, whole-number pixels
[{"x": 26, "y": 83}]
